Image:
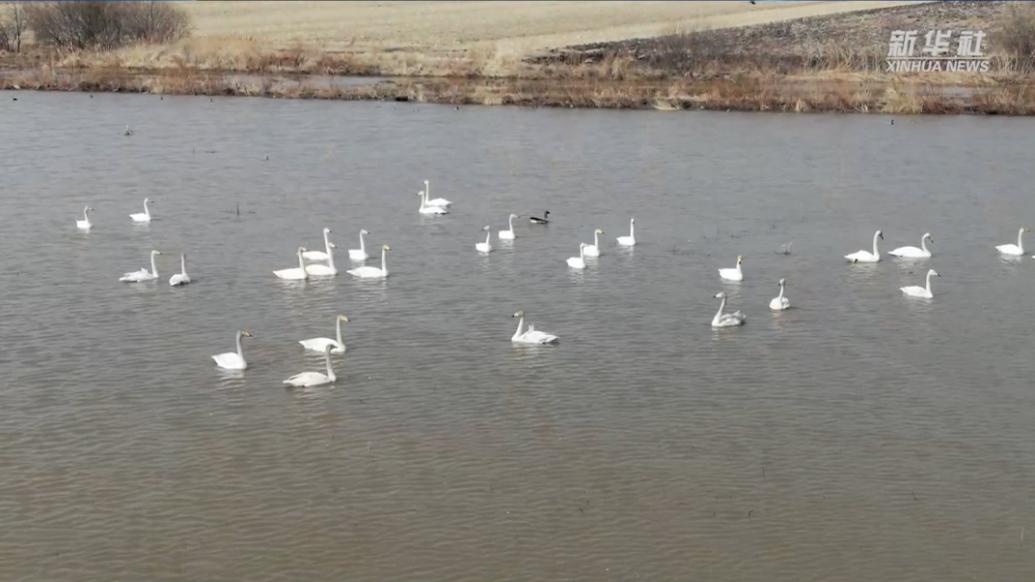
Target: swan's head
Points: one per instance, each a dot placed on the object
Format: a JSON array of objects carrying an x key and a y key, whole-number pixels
[
  {"x": 88, "y": 209},
  {"x": 880, "y": 234},
  {"x": 740, "y": 259},
  {"x": 426, "y": 182},
  {"x": 420, "y": 192},
  {"x": 582, "y": 245},
  {"x": 363, "y": 231},
  {"x": 326, "y": 230},
  {"x": 343, "y": 317},
  {"x": 245, "y": 333},
  {"x": 486, "y": 228},
  {"x": 518, "y": 313},
  {"x": 302, "y": 250},
  {"x": 386, "y": 248},
  {"x": 720, "y": 295},
  {"x": 933, "y": 272},
  {"x": 332, "y": 245},
  {"x": 156, "y": 252},
  {"x": 781, "y": 282},
  {"x": 928, "y": 236},
  {"x": 632, "y": 221},
  {"x": 513, "y": 216},
  {"x": 598, "y": 231}
]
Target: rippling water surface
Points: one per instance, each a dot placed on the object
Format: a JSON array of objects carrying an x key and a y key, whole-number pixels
[{"x": 859, "y": 436}]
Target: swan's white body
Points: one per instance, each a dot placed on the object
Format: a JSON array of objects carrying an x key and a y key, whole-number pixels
[
  {"x": 328, "y": 270},
  {"x": 233, "y": 360},
  {"x": 531, "y": 336},
  {"x": 734, "y": 274},
  {"x": 360, "y": 254},
  {"x": 867, "y": 256},
  {"x": 434, "y": 201},
  {"x": 145, "y": 216},
  {"x": 142, "y": 274},
  {"x": 85, "y": 225},
  {"x": 368, "y": 272},
  {"x": 1014, "y": 250},
  {"x": 484, "y": 247},
  {"x": 425, "y": 208},
  {"x": 726, "y": 319},
  {"x": 509, "y": 233},
  {"x": 629, "y": 241},
  {"x": 320, "y": 255},
  {"x": 593, "y": 250},
  {"x": 779, "y": 303},
  {"x": 319, "y": 344},
  {"x": 913, "y": 252},
  {"x": 181, "y": 278},
  {"x": 296, "y": 274},
  {"x": 921, "y": 292},
  {"x": 308, "y": 379},
  {"x": 578, "y": 262}
]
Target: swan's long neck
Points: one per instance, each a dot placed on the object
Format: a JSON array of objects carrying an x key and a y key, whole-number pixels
[
  {"x": 330, "y": 256},
  {"x": 510, "y": 223},
  {"x": 183, "y": 264},
  {"x": 781, "y": 291},
  {"x": 632, "y": 229},
  {"x": 596, "y": 239},
  {"x": 875, "y": 251},
  {"x": 327, "y": 242},
  {"x": 362, "y": 245},
  {"x": 521, "y": 324},
  {"x": 384, "y": 265},
  {"x": 923, "y": 243},
  {"x": 582, "y": 252},
  {"x": 86, "y": 216},
  {"x": 154, "y": 266},
  {"x": 929, "y": 273},
  {"x": 338, "y": 330},
  {"x": 488, "y": 237},
  {"x": 330, "y": 370},
  {"x": 722, "y": 306},
  {"x": 1020, "y": 240},
  {"x": 240, "y": 351},
  {"x": 423, "y": 199},
  {"x": 147, "y": 211},
  {"x": 427, "y": 190}
]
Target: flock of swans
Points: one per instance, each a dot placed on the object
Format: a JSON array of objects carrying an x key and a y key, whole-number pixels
[{"x": 315, "y": 263}]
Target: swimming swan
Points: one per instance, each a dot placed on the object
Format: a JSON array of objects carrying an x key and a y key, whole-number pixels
[
  {"x": 181, "y": 278},
  {"x": 307, "y": 379},
  {"x": 320, "y": 255},
  {"x": 913, "y": 252},
  {"x": 1017, "y": 249},
  {"x": 921, "y": 292},
  {"x": 726, "y": 319},
  {"x": 434, "y": 201},
  {"x": 296, "y": 274},
  {"x": 578, "y": 262},
  {"x": 509, "y": 233},
  {"x": 360, "y": 254},
  {"x": 866, "y": 256},
  {"x": 144, "y": 216},
  {"x": 734, "y": 274},
  {"x": 593, "y": 250},
  {"x": 328, "y": 270},
  {"x": 85, "y": 224},
  {"x": 532, "y": 336},
  {"x": 426, "y": 209},
  {"x": 484, "y": 247},
  {"x": 142, "y": 274},
  {"x": 537, "y": 220},
  {"x": 233, "y": 360},
  {"x": 629, "y": 241},
  {"x": 367, "y": 272},
  {"x": 319, "y": 344},
  {"x": 779, "y": 303}
]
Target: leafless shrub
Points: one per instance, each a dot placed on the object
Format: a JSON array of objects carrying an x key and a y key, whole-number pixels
[
  {"x": 1018, "y": 37},
  {"x": 104, "y": 25},
  {"x": 12, "y": 26}
]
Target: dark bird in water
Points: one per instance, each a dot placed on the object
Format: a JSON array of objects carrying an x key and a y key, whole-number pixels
[
  {"x": 892, "y": 122},
  {"x": 544, "y": 220},
  {"x": 129, "y": 131},
  {"x": 786, "y": 248}
]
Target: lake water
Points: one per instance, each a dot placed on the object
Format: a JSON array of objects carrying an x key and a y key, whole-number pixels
[{"x": 859, "y": 436}]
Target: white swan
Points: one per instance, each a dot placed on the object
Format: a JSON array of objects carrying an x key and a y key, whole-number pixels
[
  {"x": 426, "y": 209},
  {"x": 328, "y": 270},
  {"x": 142, "y": 274},
  {"x": 531, "y": 336},
  {"x": 319, "y": 344},
  {"x": 734, "y": 274},
  {"x": 144, "y": 216},
  {"x": 866, "y": 256},
  {"x": 297, "y": 273},
  {"x": 181, "y": 278},
  {"x": 779, "y": 303},
  {"x": 629, "y": 241},
  {"x": 320, "y": 255},
  {"x": 726, "y": 319},
  {"x": 593, "y": 250},
  {"x": 921, "y": 292},
  {"x": 1017, "y": 249},
  {"x": 484, "y": 247},
  {"x": 308, "y": 379},
  {"x": 367, "y": 272},
  {"x": 233, "y": 360},
  {"x": 913, "y": 252},
  {"x": 360, "y": 254},
  {"x": 85, "y": 224},
  {"x": 434, "y": 201},
  {"x": 578, "y": 262},
  {"x": 509, "y": 233}
]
